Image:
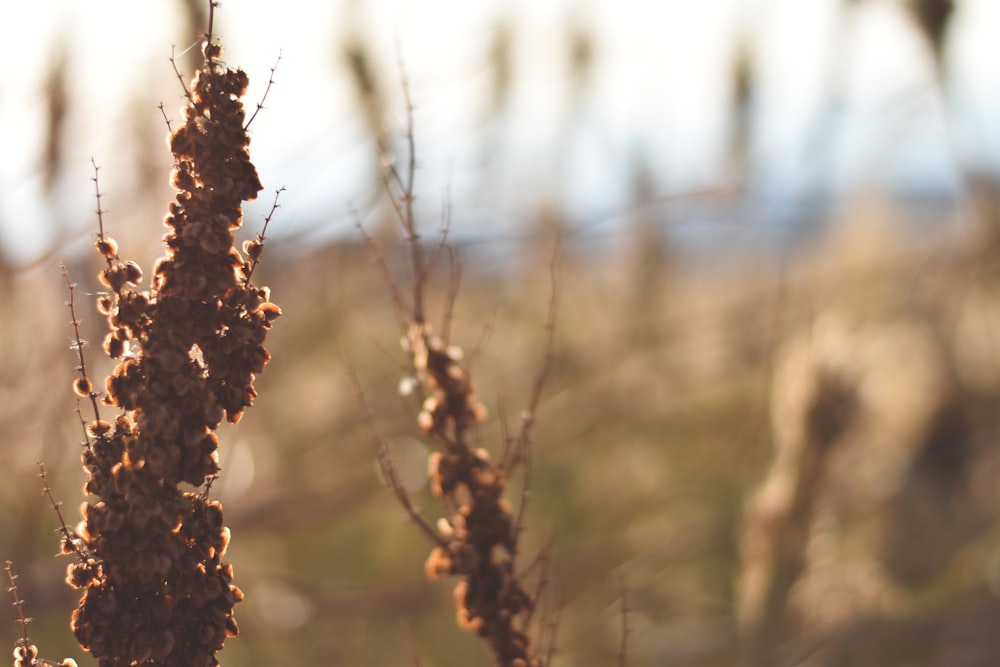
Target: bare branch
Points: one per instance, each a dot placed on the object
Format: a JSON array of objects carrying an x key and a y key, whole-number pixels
[
  {"x": 378, "y": 256},
  {"x": 386, "y": 462},
  {"x": 256, "y": 246},
  {"x": 100, "y": 211},
  {"x": 78, "y": 343},
  {"x": 442, "y": 245},
  {"x": 483, "y": 340},
  {"x": 550, "y": 328},
  {"x": 543, "y": 560},
  {"x": 18, "y": 603},
  {"x": 550, "y": 629},
  {"x": 455, "y": 277},
  {"x": 402, "y": 200},
  {"x": 83, "y": 424},
  {"x": 180, "y": 77},
  {"x": 521, "y": 453},
  {"x": 69, "y": 536},
  {"x": 504, "y": 435},
  {"x": 212, "y": 4},
  {"x": 623, "y": 647},
  {"x": 260, "y": 105},
  {"x": 411, "y": 642},
  {"x": 163, "y": 112}
]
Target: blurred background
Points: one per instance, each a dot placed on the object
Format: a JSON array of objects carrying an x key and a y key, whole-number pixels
[{"x": 773, "y": 407}]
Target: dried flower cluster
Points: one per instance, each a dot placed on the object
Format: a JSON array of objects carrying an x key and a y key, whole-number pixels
[
  {"x": 26, "y": 655},
  {"x": 156, "y": 590},
  {"x": 478, "y": 539}
]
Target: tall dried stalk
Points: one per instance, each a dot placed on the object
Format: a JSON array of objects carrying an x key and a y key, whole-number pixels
[
  {"x": 822, "y": 404},
  {"x": 149, "y": 555},
  {"x": 477, "y": 539}
]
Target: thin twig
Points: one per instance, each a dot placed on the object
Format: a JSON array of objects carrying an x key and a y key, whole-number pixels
[
  {"x": 551, "y": 628},
  {"x": 163, "y": 112},
  {"x": 260, "y": 105},
  {"x": 547, "y": 354},
  {"x": 402, "y": 202},
  {"x": 445, "y": 229},
  {"x": 180, "y": 77},
  {"x": 385, "y": 459},
  {"x": 504, "y": 434},
  {"x": 97, "y": 189},
  {"x": 378, "y": 256},
  {"x": 388, "y": 466},
  {"x": 521, "y": 452},
  {"x": 100, "y": 210},
  {"x": 544, "y": 560},
  {"x": 68, "y": 535},
  {"x": 402, "y": 366},
  {"x": 83, "y": 424},
  {"x": 18, "y": 603},
  {"x": 208, "y": 485},
  {"x": 212, "y": 4},
  {"x": 391, "y": 179},
  {"x": 261, "y": 236},
  {"x": 484, "y": 338},
  {"x": 623, "y": 647},
  {"x": 78, "y": 342},
  {"x": 411, "y": 642},
  {"x": 455, "y": 277}
]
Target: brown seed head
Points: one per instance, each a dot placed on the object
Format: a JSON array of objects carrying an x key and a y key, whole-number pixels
[
  {"x": 83, "y": 387},
  {"x": 107, "y": 246}
]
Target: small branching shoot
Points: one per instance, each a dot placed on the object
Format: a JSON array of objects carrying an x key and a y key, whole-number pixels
[{"x": 477, "y": 539}]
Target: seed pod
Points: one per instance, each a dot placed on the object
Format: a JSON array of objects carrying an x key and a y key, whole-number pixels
[
  {"x": 270, "y": 311},
  {"x": 113, "y": 277},
  {"x": 133, "y": 273},
  {"x": 105, "y": 304},
  {"x": 253, "y": 248},
  {"x": 98, "y": 428},
  {"x": 83, "y": 387},
  {"x": 107, "y": 246},
  {"x": 114, "y": 347}
]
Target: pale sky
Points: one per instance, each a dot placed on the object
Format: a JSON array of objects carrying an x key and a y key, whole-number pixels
[{"x": 659, "y": 95}]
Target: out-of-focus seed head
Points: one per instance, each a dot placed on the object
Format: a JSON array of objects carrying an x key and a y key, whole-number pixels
[
  {"x": 270, "y": 311},
  {"x": 105, "y": 304},
  {"x": 24, "y": 656},
  {"x": 107, "y": 246},
  {"x": 114, "y": 346},
  {"x": 98, "y": 428},
  {"x": 253, "y": 248},
  {"x": 133, "y": 273},
  {"x": 212, "y": 50},
  {"x": 83, "y": 387}
]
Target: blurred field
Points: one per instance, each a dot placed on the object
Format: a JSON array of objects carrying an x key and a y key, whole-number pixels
[
  {"x": 785, "y": 457},
  {"x": 674, "y": 388}
]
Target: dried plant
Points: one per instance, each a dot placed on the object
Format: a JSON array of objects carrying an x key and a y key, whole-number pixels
[
  {"x": 477, "y": 539},
  {"x": 149, "y": 555},
  {"x": 26, "y": 653},
  {"x": 820, "y": 404}
]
